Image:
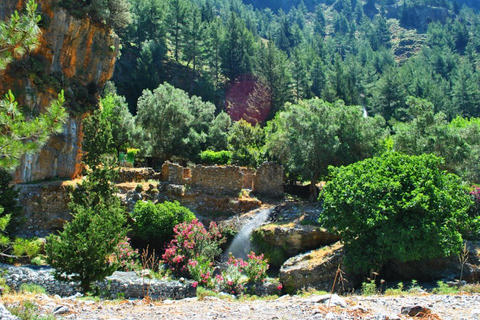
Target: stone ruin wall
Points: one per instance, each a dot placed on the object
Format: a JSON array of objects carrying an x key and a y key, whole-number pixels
[
  {"x": 46, "y": 208},
  {"x": 267, "y": 180}
]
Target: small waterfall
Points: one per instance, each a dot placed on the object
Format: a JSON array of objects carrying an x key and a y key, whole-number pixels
[{"x": 241, "y": 245}]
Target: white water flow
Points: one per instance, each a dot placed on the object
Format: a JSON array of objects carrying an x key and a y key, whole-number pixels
[{"x": 241, "y": 244}]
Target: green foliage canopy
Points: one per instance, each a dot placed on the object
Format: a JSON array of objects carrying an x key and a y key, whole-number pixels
[
  {"x": 245, "y": 142},
  {"x": 174, "y": 124},
  {"x": 395, "y": 207},
  {"x": 430, "y": 132},
  {"x": 154, "y": 222},
  {"x": 309, "y": 136}
]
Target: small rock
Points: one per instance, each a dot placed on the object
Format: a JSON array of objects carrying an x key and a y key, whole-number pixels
[
  {"x": 61, "y": 310},
  {"x": 330, "y": 315},
  {"x": 475, "y": 313},
  {"x": 413, "y": 311},
  {"x": 359, "y": 308},
  {"x": 327, "y": 299},
  {"x": 168, "y": 301},
  {"x": 75, "y": 296},
  {"x": 145, "y": 273}
]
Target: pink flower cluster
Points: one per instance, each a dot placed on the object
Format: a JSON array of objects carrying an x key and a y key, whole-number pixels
[
  {"x": 257, "y": 267},
  {"x": 191, "y": 243},
  {"x": 125, "y": 256}
]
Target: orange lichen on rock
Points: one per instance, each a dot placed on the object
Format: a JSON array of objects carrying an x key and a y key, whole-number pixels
[{"x": 72, "y": 52}]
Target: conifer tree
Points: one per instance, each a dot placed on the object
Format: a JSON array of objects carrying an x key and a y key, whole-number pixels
[{"x": 81, "y": 251}]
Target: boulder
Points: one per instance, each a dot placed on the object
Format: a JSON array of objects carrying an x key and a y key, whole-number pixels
[
  {"x": 282, "y": 241},
  {"x": 316, "y": 269}
]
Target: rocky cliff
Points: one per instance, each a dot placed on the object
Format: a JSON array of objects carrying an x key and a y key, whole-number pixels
[{"x": 75, "y": 55}]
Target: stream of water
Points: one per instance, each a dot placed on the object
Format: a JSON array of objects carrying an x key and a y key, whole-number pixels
[{"x": 241, "y": 244}]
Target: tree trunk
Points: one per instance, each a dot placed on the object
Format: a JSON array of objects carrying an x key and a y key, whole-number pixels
[{"x": 313, "y": 187}]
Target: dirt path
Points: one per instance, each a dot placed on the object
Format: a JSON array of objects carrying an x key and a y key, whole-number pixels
[{"x": 453, "y": 307}]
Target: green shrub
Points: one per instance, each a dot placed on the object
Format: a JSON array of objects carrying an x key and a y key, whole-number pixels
[
  {"x": 395, "y": 292},
  {"x": 216, "y": 157},
  {"x": 131, "y": 154},
  {"x": 32, "y": 288},
  {"x": 28, "y": 247},
  {"x": 443, "y": 288},
  {"x": 154, "y": 223},
  {"x": 395, "y": 207},
  {"x": 369, "y": 288},
  {"x": 28, "y": 310}
]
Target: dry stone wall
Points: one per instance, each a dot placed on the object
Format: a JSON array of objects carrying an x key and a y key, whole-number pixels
[
  {"x": 267, "y": 180},
  {"x": 45, "y": 207},
  {"x": 128, "y": 284}
]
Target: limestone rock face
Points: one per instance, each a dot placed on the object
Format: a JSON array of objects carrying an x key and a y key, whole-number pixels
[
  {"x": 75, "y": 55},
  {"x": 315, "y": 269}
]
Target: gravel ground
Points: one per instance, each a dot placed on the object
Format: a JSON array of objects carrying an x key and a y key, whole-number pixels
[{"x": 286, "y": 307}]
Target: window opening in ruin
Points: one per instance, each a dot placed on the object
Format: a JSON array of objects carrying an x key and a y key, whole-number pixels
[{"x": 187, "y": 174}]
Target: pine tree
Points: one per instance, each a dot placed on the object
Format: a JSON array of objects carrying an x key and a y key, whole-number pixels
[
  {"x": 272, "y": 68},
  {"x": 236, "y": 48},
  {"x": 214, "y": 36},
  {"x": 193, "y": 38},
  {"x": 177, "y": 18},
  {"x": 466, "y": 91}
]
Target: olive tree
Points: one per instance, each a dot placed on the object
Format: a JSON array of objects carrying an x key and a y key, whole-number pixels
[
  {"x": 173, "y": 123},
  {"x": 309, "y": 136}
]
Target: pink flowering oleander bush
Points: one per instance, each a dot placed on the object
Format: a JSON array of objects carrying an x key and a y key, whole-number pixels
[
  {"x": 191, "y": 254},
  {"x": 201, "y": 270},
  {"x": 229, "y": 281},
  {"x": 125, "y": 256},
  {"x": 256, "y": 268},
  {"x": 192, "y": 242}
]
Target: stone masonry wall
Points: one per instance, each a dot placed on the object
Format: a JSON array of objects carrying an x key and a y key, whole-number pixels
[
  {"x": 266, "y": 181},
  {"x": 45, "y": 207},
  {"x": 126, "y": 283},
  {"x": 216, "y": 179}
]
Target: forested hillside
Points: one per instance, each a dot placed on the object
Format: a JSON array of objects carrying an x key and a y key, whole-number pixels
[
  {"x": 414, "y": 65},
  {"x": 369, "y": 53}
]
